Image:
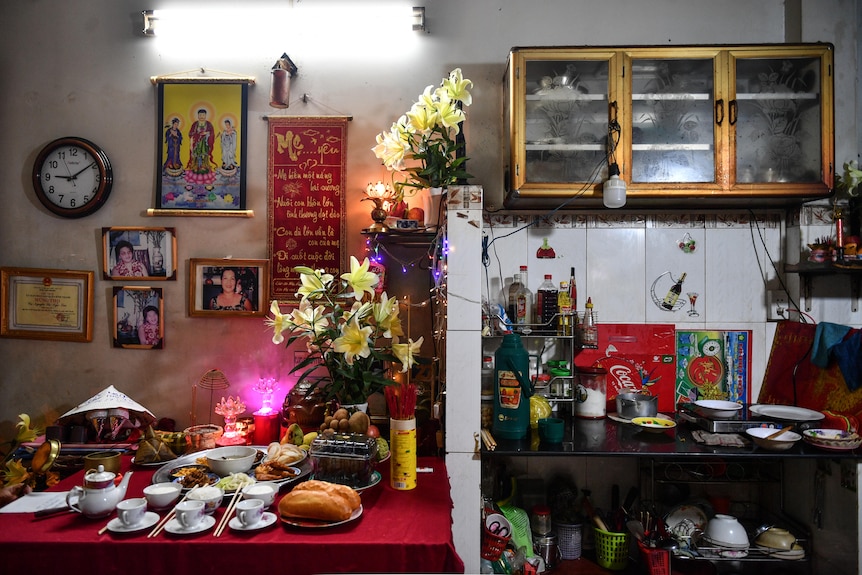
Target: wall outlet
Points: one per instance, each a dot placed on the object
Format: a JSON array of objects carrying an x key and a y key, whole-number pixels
[{"x": 777, "y": 307}]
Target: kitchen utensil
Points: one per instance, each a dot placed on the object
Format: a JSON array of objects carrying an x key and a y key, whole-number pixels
[
  {"x": 726, "y": 531},
  {"x": 631, "y": 405},
  {"x": 776, "y": 538},
  {"x": 718, "y": 408},
  {"x": 591, "y": 513},
  {"x": 636, "y": 528},
  {"x": 99, "y": 496},
  {"x": 781, "y": 441},
  {"x": 779, "y": 432},
  {"x": 786, "y": 413}
]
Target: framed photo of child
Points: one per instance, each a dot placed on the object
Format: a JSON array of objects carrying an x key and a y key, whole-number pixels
[
  {"x": 228, "y": 287},
  {"x": 130, "y": 253},
  {"x": 139, "y": 317}
]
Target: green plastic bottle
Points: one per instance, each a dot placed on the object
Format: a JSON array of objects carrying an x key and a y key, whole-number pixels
[{"x": 512, "y": 389}]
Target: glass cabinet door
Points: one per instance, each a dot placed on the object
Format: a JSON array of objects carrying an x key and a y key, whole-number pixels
[
  {"x": 777, "y": 117},
  {"x": 565, "y": 120},
  {"x": 672, "y": 127}
]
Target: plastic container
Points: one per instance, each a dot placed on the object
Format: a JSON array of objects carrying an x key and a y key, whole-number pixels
[
  {"x": 346, "y": 458},
  {"x": 540, "y": 520},
  {"x": 612, "y": 549},
  {"x": 569, "y": 539},
  {"x": 657, "y": 560},
  {"x": 512, "y": 389}
]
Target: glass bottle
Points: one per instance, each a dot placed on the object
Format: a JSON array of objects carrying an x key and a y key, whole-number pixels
[
  {"x": 512, "y": 298},
  {"x": 673, "y": 294},
  {"x": 546, "y": 305},
  {"x": 588, "y": 329},
  {"x": 523, "y": 301}
]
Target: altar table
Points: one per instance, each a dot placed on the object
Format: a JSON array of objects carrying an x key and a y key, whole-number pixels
[{"x": 398, "y": 532}]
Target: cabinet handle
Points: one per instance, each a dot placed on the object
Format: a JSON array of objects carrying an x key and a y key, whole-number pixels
[
  {"x": 719, "y": 112},
  {"x": 733, "y": 112}
]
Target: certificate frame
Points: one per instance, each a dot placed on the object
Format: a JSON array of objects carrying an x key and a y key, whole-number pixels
[
  {"x": 46, "y": 304},
  {"x": 155, "y": 252},
  {"x": 205, "y": 284}
]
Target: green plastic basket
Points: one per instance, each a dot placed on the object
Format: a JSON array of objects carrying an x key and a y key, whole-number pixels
[{"x": 612, "y": 549}]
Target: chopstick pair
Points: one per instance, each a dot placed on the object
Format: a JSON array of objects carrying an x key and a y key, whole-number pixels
[
  {"x": 228, "y": 512},
  {"x": 170, "y": 515}
]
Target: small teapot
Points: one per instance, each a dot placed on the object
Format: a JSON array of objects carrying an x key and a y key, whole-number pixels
[{"x": 99, "y": 496}]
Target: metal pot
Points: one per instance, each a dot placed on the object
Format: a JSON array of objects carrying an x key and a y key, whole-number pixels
[{"x": 631, "y": 405}]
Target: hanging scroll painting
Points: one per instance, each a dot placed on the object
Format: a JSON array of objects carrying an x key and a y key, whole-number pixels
[
  {"x": 201, "y": 146},
  {"x": 306, "y": 172}
]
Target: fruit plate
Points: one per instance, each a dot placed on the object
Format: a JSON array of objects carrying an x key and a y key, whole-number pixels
[
  {"x": 654, "y": 424},
  {"x": 319, "y": 523}
]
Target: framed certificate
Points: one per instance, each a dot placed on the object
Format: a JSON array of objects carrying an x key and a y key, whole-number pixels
[{"x": 46, "y": 304}]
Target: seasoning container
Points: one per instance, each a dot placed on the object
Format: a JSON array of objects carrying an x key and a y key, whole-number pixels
[
  {"x": 591, "y": 397},
  {"x": 540, "y": 520}
]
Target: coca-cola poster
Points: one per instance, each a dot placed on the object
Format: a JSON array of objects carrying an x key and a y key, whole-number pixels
[{"x": 306, "y": 172}]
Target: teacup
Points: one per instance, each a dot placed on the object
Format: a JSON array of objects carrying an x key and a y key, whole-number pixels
[
  {"x": 131, "y": 511},
  {"x": 265, "y": 491},
  {"x": 189, "y": 513},
  {"x": 249, "y": 512},
  {"x": 162, "y": 495}
]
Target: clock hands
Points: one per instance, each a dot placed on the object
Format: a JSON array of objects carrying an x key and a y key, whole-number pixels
[{"x": 79, "y": 172}]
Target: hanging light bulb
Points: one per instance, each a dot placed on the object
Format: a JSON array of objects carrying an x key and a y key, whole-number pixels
[{"x": 614, "y": 188}]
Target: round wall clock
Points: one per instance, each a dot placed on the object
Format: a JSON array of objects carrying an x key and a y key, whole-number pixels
[{"x": 72, "y": 177}]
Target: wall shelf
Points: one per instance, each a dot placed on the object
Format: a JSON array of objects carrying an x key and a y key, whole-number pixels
[{"x": 809, "y": 270}]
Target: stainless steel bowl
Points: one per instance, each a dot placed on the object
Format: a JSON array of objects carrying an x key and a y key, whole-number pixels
[{"x": 631, "y": 405}]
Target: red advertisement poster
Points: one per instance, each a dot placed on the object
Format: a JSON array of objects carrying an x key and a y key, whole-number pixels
[{"x": 306, "y": 177}]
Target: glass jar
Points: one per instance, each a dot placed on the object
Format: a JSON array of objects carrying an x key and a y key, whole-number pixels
[
  {"x": 540, "y": 520},
  {"x": 591, "y": 397}
]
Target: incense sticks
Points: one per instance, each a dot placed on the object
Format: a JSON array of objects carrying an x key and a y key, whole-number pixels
[{"x": 401, "y": 400}]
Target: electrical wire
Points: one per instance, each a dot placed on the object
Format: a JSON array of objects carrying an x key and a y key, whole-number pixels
[{"x": 752, "y": 226}]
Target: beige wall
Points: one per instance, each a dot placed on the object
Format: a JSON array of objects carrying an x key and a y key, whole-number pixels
[{"x": 82, "y": 68}]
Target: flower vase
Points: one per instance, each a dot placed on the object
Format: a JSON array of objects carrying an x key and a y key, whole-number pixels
[{"x": 432, "y": 205}]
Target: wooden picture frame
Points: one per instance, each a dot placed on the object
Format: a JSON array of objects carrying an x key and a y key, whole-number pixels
[
  {"x": 201, "y": 138},
  {"x": 248, "y": 297},
  {"x": 147, "y": 259},
  {"x": 46, "y": 304},
  {"x": 134, "y": 309}
]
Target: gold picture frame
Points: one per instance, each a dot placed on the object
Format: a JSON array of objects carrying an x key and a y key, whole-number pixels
[
  {"x": 153, "y": 253},
  {"x": 214, "y": 292},
  {"x": 46, "y": 304}
]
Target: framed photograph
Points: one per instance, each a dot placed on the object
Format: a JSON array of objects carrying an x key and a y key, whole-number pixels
[
  {"x": 139, "y": 317},
  {"x": 201, "y": 137},
  {"x": 46, "y": 304},
  {"x": 139, "y": 253},
  {"x": 224, "y": 287}
]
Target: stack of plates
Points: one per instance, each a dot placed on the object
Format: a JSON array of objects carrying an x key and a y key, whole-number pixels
[{"x": 832, "y": 439}]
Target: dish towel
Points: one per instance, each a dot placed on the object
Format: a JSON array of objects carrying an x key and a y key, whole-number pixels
[
  {"x": 826, "y": 335},
  {"x": 848, "y": 354}
]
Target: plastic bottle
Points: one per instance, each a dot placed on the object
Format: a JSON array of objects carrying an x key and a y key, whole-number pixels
[
  {"x": 546, "y": 305},
  {"x": 564, "y": 308},
  {"x": 673, "y": 293},
  {"x": 589, "y": 332},
  {"x": 512, "y": 297},
  {"x": 512, "y": 389}
]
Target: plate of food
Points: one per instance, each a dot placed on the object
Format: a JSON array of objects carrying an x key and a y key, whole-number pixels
[
  {"x": 191, "y": 476},
  {"x": 320, "y": 523}
]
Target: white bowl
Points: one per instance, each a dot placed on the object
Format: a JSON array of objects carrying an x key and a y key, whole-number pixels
[
  {"x": 162, "y": 495},
  {"x": 211, "y": 496},
  {"x": 726, "y": 531},
  {"x": 718, "y": 408},
  {"x": 264, "y": 490},
  {"x": 780, "y": 443},
  {"x": 231, "y": 459}
]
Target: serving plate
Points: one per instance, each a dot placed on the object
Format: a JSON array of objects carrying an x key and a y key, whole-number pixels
[
  {"x": 654, "y": 424},
  {"x": 164, "y": 474},
  {"x": 832, "y": 439},
  {"x": 614, "y": 416},
  {"x": 372, "y": 481},
  {"x": 320, "y": 524},
  {"x": 785, "y": 412}
]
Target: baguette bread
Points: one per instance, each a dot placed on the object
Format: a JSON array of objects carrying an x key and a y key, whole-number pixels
[{"x": 321, "y": 500}]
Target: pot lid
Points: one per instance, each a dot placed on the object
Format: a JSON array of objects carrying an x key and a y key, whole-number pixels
[{"x": 98, "y": 477}]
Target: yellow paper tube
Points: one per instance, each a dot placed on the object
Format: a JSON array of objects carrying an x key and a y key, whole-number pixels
[{"x": 402, "y": 461}]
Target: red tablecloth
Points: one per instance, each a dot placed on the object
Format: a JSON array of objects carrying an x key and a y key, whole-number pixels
[{"x": 398, "y": 532}]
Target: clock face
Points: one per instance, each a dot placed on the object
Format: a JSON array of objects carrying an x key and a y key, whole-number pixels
[{"x": 72, "y": 177}]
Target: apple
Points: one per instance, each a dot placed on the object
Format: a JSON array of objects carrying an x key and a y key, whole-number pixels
[
  {"x": 417, "y": 214},
  {"x": 373, "y": 431}
]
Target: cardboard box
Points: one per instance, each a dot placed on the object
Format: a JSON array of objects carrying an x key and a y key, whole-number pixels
[
  {"x": 636, "y": 356},
  {"x": 713, "y": 365}
]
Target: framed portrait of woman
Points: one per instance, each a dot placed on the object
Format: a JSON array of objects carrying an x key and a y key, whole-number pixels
[
  {"x": 139, "y": 317},
  {"x": 225, "y": 287},
  {"x": 130, "y": 253}
]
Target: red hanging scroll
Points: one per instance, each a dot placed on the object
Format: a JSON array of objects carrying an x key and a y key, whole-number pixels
[{"x": 306, "y": 167}]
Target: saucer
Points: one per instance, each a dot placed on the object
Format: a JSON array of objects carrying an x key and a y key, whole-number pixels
[
  {"x": 174, "y": 526},
  {"x": 117, "y": 526},
  {"x": 266, "y": 520}
]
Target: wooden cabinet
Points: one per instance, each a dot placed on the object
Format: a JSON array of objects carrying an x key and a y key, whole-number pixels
[{"x": 725, "y": 125}]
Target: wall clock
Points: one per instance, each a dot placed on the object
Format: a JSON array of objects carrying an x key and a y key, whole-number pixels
[{"x": 72, "y": 177}]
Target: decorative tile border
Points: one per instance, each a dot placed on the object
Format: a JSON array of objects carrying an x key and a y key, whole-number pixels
[{"x": 610, "y": 220}]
